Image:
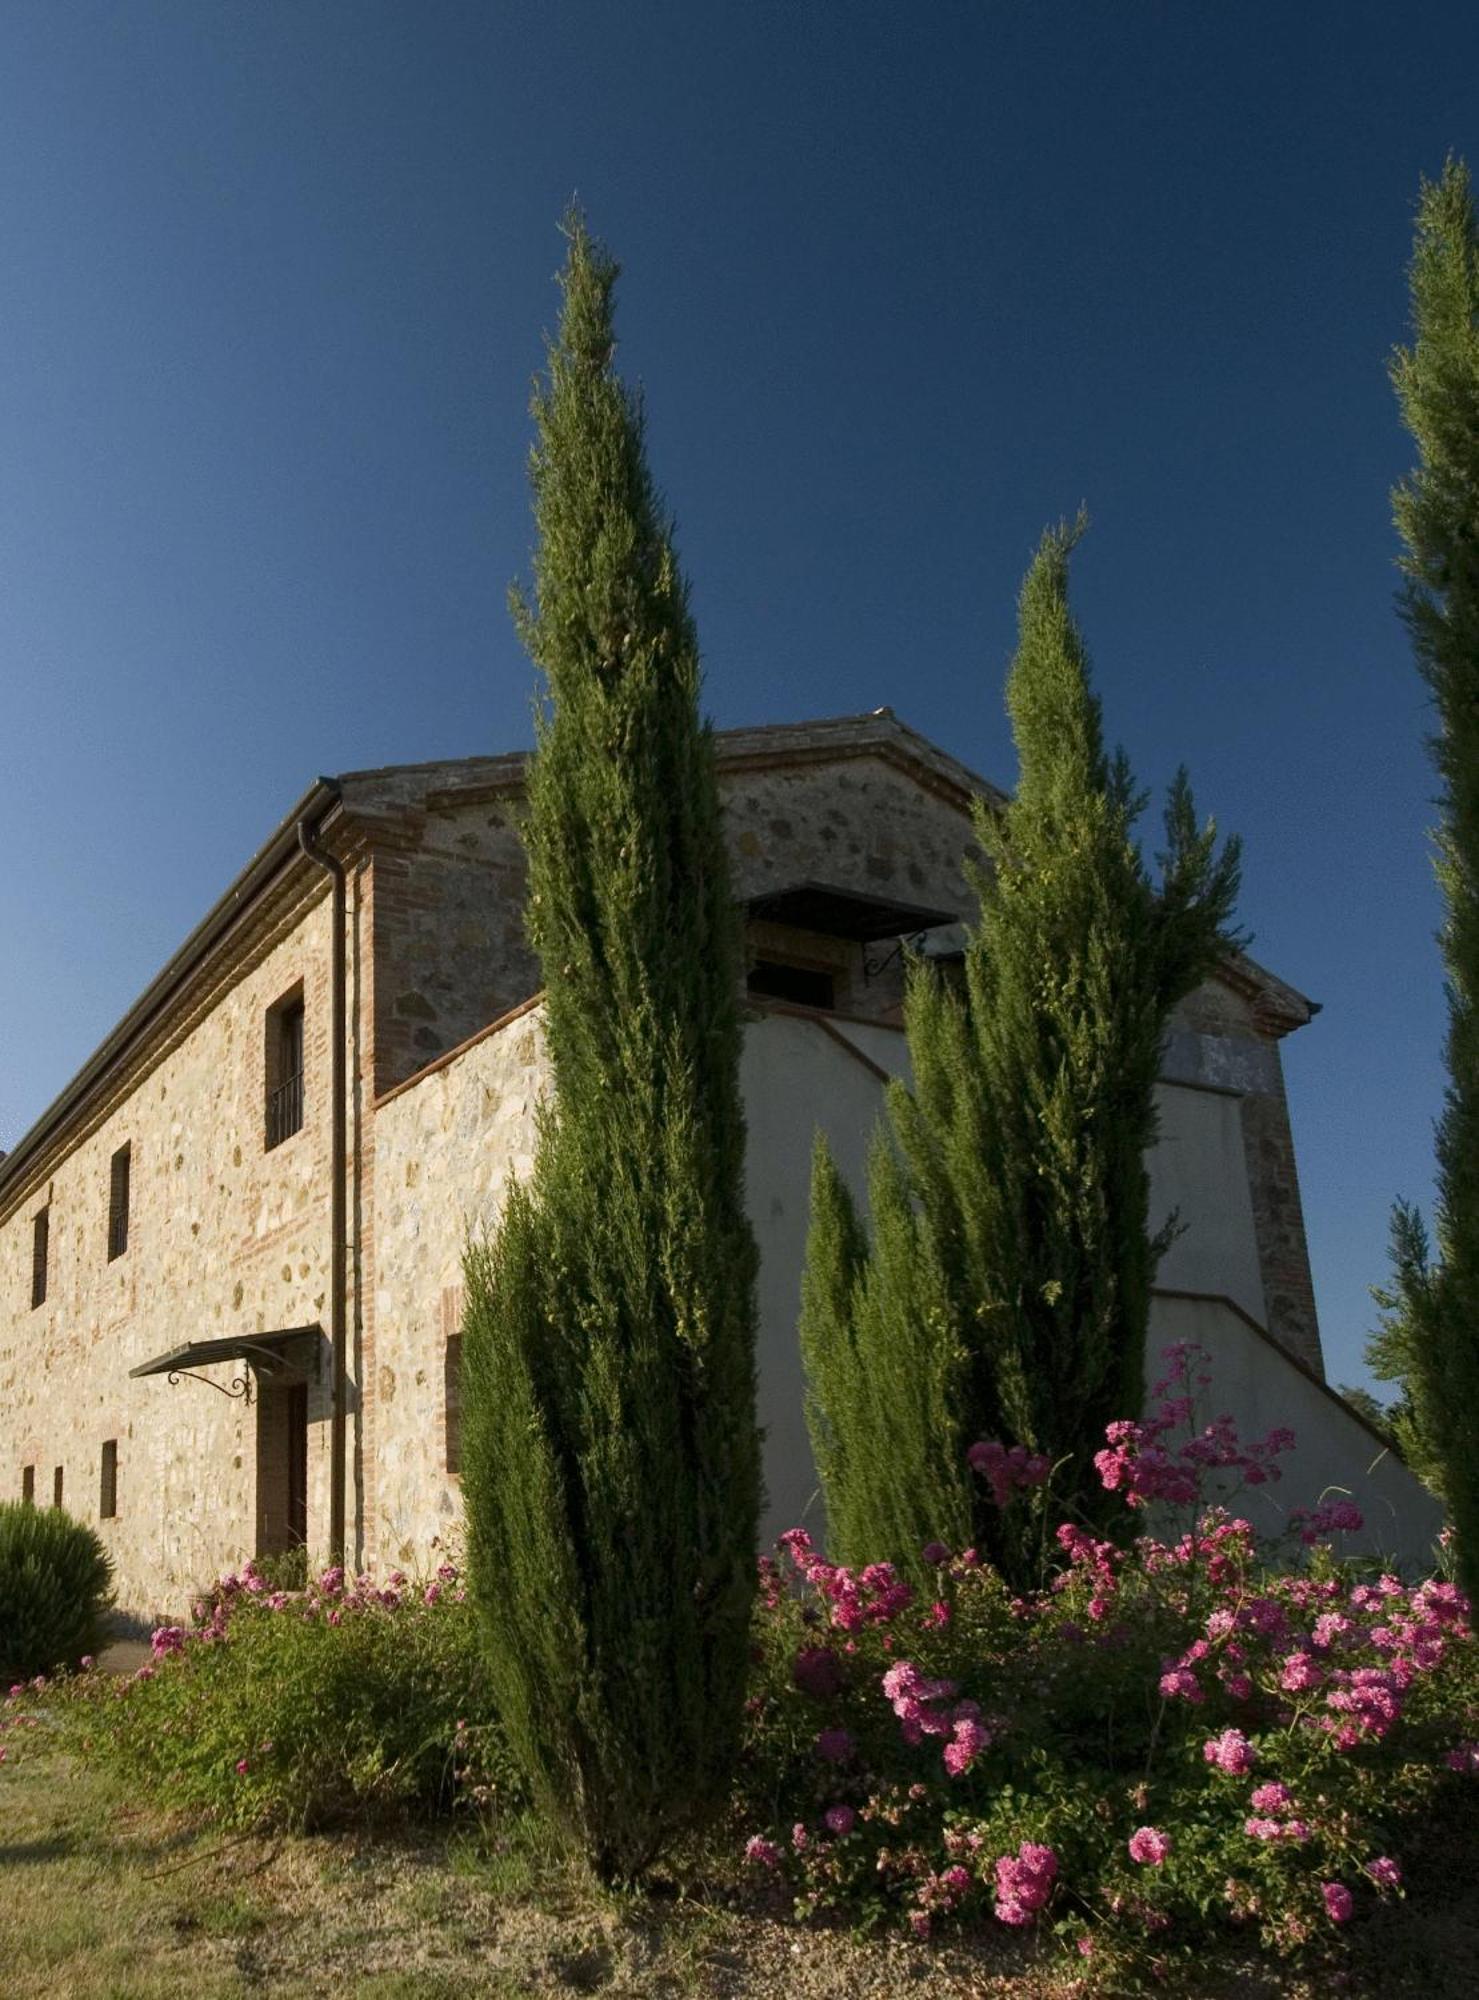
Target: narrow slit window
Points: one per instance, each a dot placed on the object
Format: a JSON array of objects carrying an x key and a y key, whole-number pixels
[
  {"x": 56, "y": 1487},
  {"x": 28, "y": 1485},
  {"x": 452, "y": 1371},
  {"x": 118, "y": 1203},
  {"x": 108, "y": 1481},
  {"x": 285, "y": 1068},
  {"x": 40, "y": 1248}
]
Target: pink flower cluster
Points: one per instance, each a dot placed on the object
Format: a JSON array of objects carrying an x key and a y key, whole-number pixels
[
  {"x": 1149, "y": 1846},
  {"x": 1230, "y": 1752},
  {"x": 1024, "y": 1882},
  {"x": 331, "y": 1596},
  {"x": 1331, "y": 1517},
  {"x": 1142, "y": 1466},
  {"x": 871, "y": 1596},
  {"x": 926, "y": 1707},
  {"x": 1099, "y": 1561},
  {"x": 1008, "y": 1470}
]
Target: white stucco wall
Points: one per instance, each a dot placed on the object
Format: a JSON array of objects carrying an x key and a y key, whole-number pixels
[
  {"x": 1334, "y": 1456},
  {"x": 1199, "y": 1170},
  {"x": 444, "y": 1148}
]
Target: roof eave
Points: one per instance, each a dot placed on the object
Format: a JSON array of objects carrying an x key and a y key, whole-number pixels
[{"x": 320, "y": 798}]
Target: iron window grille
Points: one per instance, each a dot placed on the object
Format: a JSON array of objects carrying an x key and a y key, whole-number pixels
[{"x": 284, "y": 1071}]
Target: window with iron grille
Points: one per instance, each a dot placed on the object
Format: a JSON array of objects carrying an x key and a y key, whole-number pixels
[
  {"x": 118, "y": 1204},
  {"x": 108, "y": 1483},
  {"x": 28, "y": 1485},
  {"x": 285, "y": 1068},
  {"x": 56, "y": 1487},
  {"x": 40, "y": 1245}
]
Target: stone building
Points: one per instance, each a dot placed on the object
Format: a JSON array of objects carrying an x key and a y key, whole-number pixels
[{"x": 230, "y": 1250}]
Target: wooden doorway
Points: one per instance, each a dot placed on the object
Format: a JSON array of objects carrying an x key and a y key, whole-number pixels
[{"x": 282, "y": 1467}]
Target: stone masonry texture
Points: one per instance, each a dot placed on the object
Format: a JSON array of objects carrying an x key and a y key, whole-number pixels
[{"x": 444, "y": 1050}]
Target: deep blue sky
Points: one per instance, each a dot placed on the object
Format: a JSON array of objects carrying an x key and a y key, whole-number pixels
[{"x": 902, "y": 283}]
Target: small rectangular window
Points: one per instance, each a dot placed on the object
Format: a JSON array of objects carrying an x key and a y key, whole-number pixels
[
  {"x": 108, "y": 1485},
  {"x": 56, "y": 1487},
  {"x": 40, "y": 1244},
  {"x": 284, "y": 1068},
  {"x": 118, "y": 1204},
  {"x": 802, "y": 985},
  {"x": 452, "y": 1391},
  {"x": 28, "y": 1485}
]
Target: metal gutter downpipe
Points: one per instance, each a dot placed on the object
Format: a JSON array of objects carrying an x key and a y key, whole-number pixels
[{"x": 308, "y": 831}]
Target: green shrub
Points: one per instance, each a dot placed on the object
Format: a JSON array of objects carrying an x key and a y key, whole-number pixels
[
  {"x": 1170, "y": 1743},
  {"x": 286, "y": 1570},
  {"x": 56, "y": 1587},
  {"x": 610, "y": 1454},
  {"x": 305, "y": 1709}
]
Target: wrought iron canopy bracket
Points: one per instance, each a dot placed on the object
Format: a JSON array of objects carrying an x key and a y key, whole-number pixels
[
  {"x": 875, "y": 966},
  {"x": 239, "y": 1391}
]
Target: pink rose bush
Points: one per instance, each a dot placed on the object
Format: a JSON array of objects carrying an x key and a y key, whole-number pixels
[
  {"x": 350, "y": 1696},
  {"x": 1179, "y": 1729}
]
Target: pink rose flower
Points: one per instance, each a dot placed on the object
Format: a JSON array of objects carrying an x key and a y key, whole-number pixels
[
  {"x": 1338, "y": 1901},
  {"x": 1230, "y": 1752},
  {"x": 1149, "y": 1846}
]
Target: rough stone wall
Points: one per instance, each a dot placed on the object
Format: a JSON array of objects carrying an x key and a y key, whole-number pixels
[
  {"x": 445, "y": 1146},
  {"x": 227, "y": 1238},
  {"x": 224, "y": 1237},
  {"x": 450, "y": 952}
]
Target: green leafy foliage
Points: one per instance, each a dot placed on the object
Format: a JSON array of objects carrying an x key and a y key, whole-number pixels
[
  {"x": 1166, "y": 1741},
  {"x": 1006, "y": 1288},
  {"x": 1429, "y": 1339},
  {"x": 56, "y": 1588},
  {"x": 305, "y": 1709},
  {"x": 610, "y": 1450}
]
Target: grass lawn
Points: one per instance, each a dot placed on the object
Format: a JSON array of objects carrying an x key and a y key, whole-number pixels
[{"x": 104, "y": 1898}]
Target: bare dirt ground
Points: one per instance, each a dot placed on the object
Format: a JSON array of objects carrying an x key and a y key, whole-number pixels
[{"x": 104, "y": 1898}]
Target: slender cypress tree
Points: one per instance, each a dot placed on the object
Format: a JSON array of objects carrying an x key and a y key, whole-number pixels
[
  {"x": 1430, "y": 1339},
  {"x": 611, "y": 1452},
  {"x": 1006, "y": 1291}
]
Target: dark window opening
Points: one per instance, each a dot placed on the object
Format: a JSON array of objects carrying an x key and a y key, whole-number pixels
[
  {"x": 118, "y": 1204},
  {"x": 28, "y": 1485},
  {"x": 56, "y": 1487},
  {"x": 802, "y": 985},
  {"x": 108, "y": 1486},
  {"x": 40, "y": 1244},
  {"x": 452, "y": 1387},
  {"x": 285, "y": 1069},
  {"x": 282, "y": 1467}
]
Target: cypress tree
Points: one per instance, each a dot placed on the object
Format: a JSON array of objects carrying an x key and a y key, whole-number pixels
[
  {"x": 611, "y": 1453},
  {"x": 1430, "y": 1338},
  {"x": 1006, "y": 1290}
]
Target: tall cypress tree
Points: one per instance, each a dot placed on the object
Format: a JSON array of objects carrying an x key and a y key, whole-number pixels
[
  {"x": 1006, "y": 1292},
  {"x": 1430, "y": 1339},
  {"x": 611, "y": 1452}
]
